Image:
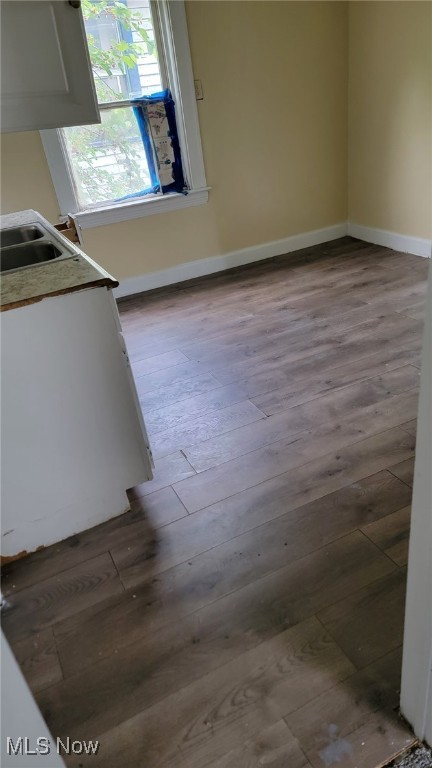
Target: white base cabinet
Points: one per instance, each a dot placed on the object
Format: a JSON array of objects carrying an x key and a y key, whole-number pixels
[{"x": 73, "y": 436}]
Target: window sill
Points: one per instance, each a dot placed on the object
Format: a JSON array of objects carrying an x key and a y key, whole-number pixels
[{"x": 136, "y": 209}]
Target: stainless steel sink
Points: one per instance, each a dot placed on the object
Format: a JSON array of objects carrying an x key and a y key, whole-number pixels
[
  {"x": 28, "y": 246},
  {"x": 27, "y": 254},
  {"x": 17, "y": 235}
]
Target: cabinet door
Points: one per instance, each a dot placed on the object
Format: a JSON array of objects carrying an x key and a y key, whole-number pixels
[{"x": 46, "y": 76}]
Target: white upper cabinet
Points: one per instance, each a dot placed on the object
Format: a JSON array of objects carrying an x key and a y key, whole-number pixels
[{"x": 46, "y": 79}]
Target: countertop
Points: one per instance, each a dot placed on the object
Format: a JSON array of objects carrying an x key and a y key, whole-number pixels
[{"x": 53, "y": 278}]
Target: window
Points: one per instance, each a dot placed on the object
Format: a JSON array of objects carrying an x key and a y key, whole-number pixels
[
  {"x": 101, "y": 172},
  {"x": 108, "y": 161}
]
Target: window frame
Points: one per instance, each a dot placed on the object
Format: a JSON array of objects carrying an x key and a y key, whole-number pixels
[{"x": 172, "y": 35}]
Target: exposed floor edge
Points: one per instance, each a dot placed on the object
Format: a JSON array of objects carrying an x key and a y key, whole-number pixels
[
  {"x": 388, "y": 762},
  {"x": 418, "y": 755}
]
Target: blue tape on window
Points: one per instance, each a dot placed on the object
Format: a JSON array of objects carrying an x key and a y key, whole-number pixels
[
  {"x": 141, "y": 110},
  {"x": 144, "y": 129},
  {"x": 148, "y": 148},
  {"x": 147, "y": 191}
]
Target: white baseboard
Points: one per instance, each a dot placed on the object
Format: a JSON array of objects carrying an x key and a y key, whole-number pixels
[
  {"x": 415, "y": 245},
  {"x": 213, "y": 264},
  {"x": 202, "y": 267}
]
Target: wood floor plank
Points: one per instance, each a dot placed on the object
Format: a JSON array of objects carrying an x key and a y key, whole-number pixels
[
  {"x": 154, "y": 667},
  {"x": 254, "y": 282},
  {"x": 183, "y": 327},
  {"x": 384, "y": 257},
  {"x": 167, "y": 376},
  {"x": 167, "y": 470},
  {"x": 391, "y": 534},
  {"x": 229, "y": 706},
  {"x": 253, "y": 333},
  {"x": 342, "y": 510},
  {"x": 331, "y": 254},
  {"x": 360, "y": 370},
  {"x": 305, "y": 358},
  {"x": 144, "y": 340},
  {"x": 290, "y": 456},
  {"x": 404, "y": 471},
  {"x": 383, "y": 737},
  {"x": 400, "y": 290},
  {"x": 350, "y": 360},
  {"x": 410, "y": 427},
  {"x": 397, "y": 381},
  {"x": 172, "y": 416},
  {"x": 416, "y": 312},
  {"x": 38, "y": 660},
  {"x": 148, "y": 340},
  {"x": 306, "y": 291},
  {"x": 33, "y": 609},
  {"x": 158, "y": 508},
  {"x": 181, "y": 301},
  {"x": 286, "y": 328},
  {"x": 299, "y": 347},
  {"x": 366, "y": 287},
  {"x": 203, "y": 427},
  {"x": 365, "y": 281},
  {"x": 401, "y": 259},
  {"x": 369, "y": 623},
  {"x": 146, "y": 515},
  {"x": 294, "y": 532},
  {"x": 274, "y": 747},
  {"x": 355, "y": 723},
  {"x": 185, "y": 322},
  {"x": 174, "y": 393},
  {"x": 157, "y": 362},
  {"x": 138, "y": 559},
  {"x": 300, "y": 434},
  {"x": 311, "y": 482}
]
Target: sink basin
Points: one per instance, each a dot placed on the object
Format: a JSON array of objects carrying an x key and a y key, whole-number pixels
[
  {"x": 30, "y": 245},
  {"x": 17, "y": 235},
  {"x": 27, "y": 254}
]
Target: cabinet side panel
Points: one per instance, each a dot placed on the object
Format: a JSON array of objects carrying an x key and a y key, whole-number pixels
[{"x": 71, "y": 436}]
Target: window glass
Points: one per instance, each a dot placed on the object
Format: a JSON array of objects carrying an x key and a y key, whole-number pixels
[
  {"x": 122, "y": 48},
  {"x": 108, "y": 160}
]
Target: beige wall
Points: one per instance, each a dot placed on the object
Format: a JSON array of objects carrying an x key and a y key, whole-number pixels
[
  {"x": 25, "y": 178},
  {"x": 273, "y": 119},
  {"x": 273, "y": 124},
  {"x": 390, "y": 111}
]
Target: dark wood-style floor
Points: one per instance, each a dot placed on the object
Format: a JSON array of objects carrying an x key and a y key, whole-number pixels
[{"x": 248, "y": 610}]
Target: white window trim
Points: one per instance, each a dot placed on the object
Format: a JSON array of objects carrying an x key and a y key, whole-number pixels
[{"x": 175, "y": 42}]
